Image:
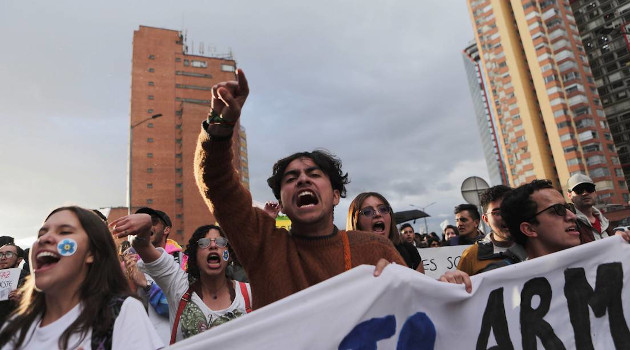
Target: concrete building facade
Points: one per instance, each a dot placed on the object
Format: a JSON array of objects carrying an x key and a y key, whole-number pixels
[
  {"x": 604, "y": 26},
  {"x": 170, "y": 96},
  {"x": 551, "y": 122}
]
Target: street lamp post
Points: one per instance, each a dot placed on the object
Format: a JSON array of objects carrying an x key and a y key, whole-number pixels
[
  {"x": 129, "y": 161},
  {"x": 426, "y": 227}
]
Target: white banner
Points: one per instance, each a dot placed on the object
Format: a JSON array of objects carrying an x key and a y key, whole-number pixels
[
  {"x": 567, "y": 300},
  {"x": 8, "y": 281},
  {"x": 439, "y": 260}
]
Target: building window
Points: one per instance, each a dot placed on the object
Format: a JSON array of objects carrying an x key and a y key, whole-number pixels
[
  {"x": 177, "y": 59},
  {"x": 178, "y": 170},
  {"x": 149, "y": 125},
  {"x": 149, "y": 110},
  {"x": 227, "y": 68},
  {"x": 618, "y": 172},
  {"x": 151, "y": 83},
  {"x": 179, "y": 200},
  {"x": 151, "y": 70},
  {"x": 179, "y": 184},
  {"x": 149, "y": 155},
  {"x": 194, "y": 87},
  {"x": 150, "y": 139},
  {"x": 180, "y": 232},
  {"x": 179, "y": 216},
  {"x": 149, "y": 186},
  {"x": 149, "y": 201},
  {"x": 149, "y": 170},
  {"x": 151, "y": 97},
  {"x": 199, "y": 64},
  {"x": 151, "y": 57},
  {"x": 194, "y": 74}
]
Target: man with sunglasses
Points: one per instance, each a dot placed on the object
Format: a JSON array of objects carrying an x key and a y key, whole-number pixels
[
  {"x": 489, "y": 253},
  {"x": 592, "y": 224},
  {"x": 539, "y": 219}
]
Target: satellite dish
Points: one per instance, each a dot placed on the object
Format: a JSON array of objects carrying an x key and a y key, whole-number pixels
[{"x": 472, "y": 188}]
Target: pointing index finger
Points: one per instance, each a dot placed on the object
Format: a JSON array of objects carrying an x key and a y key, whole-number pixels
[{"x": 243, "y": 86}]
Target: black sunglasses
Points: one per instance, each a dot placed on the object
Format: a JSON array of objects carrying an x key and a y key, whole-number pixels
[
  {"x": 559, "y": 209},
  {"x": 370, "y": 212},
  {"x": 584, "y": 188}
]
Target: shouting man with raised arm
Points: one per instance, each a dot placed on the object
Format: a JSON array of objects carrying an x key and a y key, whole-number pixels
[{"x": 308, "y": 186}]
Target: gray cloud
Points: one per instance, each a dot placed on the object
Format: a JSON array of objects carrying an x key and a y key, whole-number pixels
[{"x": 380, "y": 84}]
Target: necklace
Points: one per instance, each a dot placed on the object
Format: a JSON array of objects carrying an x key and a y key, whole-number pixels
[{"x": 215, "y": 295}]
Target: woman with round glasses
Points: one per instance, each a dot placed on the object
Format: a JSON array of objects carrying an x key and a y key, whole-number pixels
[
  {"x": 201, "y": 297},
  {"x": 370, "y": 211}
]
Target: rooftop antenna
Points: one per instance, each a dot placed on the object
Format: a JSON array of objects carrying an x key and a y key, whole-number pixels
[
  {"x": 185, "y": 41},
  {"x": 201, "y": 48}
]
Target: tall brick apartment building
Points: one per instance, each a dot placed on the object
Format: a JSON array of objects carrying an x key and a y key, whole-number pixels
[{"x": 166, "y": 79}]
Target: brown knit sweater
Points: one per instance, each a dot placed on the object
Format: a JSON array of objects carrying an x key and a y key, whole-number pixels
[{"x": 277, "y": 263}]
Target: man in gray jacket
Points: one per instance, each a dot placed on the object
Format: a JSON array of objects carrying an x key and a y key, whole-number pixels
[{"x": 591, "y": 222}]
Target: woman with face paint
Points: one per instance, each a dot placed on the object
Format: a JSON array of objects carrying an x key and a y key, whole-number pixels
[
  {"x": 77, "y": 295},
  {"x": 371, "y": 212},
  {"x": 201, "y": 297}
]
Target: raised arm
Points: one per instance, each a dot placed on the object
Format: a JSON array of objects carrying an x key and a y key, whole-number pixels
[
  {"x": 138, "y": 225},
  {"x": 219, "y": 183}
]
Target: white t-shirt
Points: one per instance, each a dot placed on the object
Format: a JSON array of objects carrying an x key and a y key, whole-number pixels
[
  {"x": 196, "y": 316},
  {"x": 132, "y": 330}
]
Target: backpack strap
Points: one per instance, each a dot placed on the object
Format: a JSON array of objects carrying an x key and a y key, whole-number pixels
[
  {"x": 103, "y": 341},
  {"x": 245, "y": 293},
  {"x": 182, "y": 304}
]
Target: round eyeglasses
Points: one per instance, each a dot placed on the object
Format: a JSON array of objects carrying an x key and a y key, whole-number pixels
[
  {"x": 219, "y": 241},
  {"x": 370, "y": 212},
  {"x": 7, "y": 255}
]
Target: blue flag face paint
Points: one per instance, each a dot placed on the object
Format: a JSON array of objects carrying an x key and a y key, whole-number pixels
[
  {"x": 226, "y": 255},
  {"x": 67, "y": 247}
]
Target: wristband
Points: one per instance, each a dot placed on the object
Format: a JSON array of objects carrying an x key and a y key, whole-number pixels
[
  {"x": 141, "y": 240},
  {"x": 147, "y": 288},
  {"x": 216, "y": 119}
]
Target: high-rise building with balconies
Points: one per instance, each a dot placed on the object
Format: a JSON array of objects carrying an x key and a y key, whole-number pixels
[
  {"x": 170, "y": 96},
  {"x": 550, "y": 119},
  {"x": 604, "y": 26}
]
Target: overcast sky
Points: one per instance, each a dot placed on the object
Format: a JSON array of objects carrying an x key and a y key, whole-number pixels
[{"x": 379, "y": 83}]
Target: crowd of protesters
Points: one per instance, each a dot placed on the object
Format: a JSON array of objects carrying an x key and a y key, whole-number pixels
[{"x": 83, "y": 291}]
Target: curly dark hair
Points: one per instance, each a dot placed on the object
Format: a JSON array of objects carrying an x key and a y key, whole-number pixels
[
  {"x": 327, "y": 162},
  {"x": 518, "y": 207},
  {"x": 471, "y": 208},
  {"x": 492, "y": 194},
  {"x": 191, "y": 249}
]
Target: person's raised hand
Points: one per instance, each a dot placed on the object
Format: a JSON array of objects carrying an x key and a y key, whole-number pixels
[
  {"x": 134, "y": 224},
  {"x": 457, "y": 277},
  {"x": 229, "y": 97}
]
